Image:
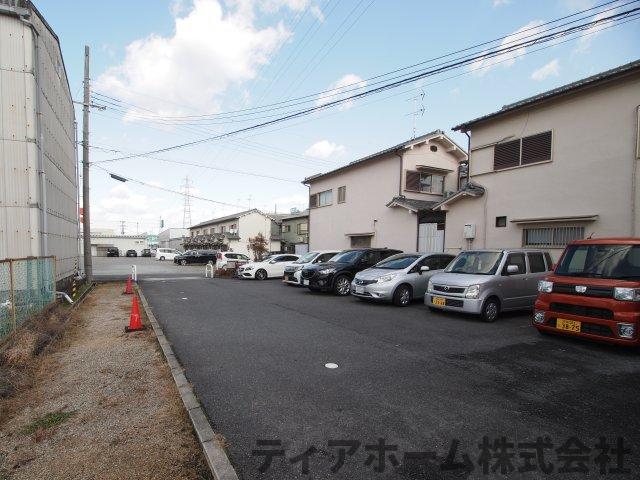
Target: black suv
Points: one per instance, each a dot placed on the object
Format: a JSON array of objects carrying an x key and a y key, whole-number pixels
[
  {"x": 336, "y": 275},
  {"x": 196, "y": 256},
  {"x": 113, "y": 252}
]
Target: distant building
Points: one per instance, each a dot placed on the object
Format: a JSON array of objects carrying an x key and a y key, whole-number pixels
[
  {"x": 172, "y": 238},
  {"x": 549, "y": 169},
  {"x": 232, "y": 232},
  {"x": 101, "y": 242},
  {"x": 39, "y": 183},
  {"x": 386, "y": 199},
  {"x": 295, "y": 232}
]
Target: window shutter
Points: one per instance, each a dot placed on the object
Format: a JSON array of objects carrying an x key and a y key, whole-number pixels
[
  {"x": 313, "y": 201},
  {"x": 506, "y": 155},
  {"x": 412, "y": 181},
  {"x": 536, "y": 148}
]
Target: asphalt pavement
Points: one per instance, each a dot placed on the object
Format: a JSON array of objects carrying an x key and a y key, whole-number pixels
[
  {"x": 415, "y": 394},
  {"x": 119, "y": 268}
]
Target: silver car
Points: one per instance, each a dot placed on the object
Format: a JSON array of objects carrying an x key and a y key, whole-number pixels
[
  {"x": 487, "y": 282},
  {"x": 399, "y": 278}
]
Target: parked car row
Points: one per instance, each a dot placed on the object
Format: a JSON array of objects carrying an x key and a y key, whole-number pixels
[{"x": 593, "y": 292}]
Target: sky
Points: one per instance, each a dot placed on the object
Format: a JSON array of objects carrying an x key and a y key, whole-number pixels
[{"x": 160, "y": 67}]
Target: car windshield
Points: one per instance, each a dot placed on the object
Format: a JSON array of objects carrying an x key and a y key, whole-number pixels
[
  {"x": 611, "y": 261},
  {"x": 306, "y": 258},
  {"x": 345, "y": 257},
  {"x": 397, "y": 262},
  {"x": 479, "y": 263}
]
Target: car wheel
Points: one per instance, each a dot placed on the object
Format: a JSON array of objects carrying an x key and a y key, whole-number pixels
[
  {"x": 183, "y": 262},
  {"x": 162, "y": 259},
  {"x": 491, "y": 310},
  {"x": 342, "y": 285},
  {"x": 402, "y": 296},
  {"x": 261, "y": 274}
]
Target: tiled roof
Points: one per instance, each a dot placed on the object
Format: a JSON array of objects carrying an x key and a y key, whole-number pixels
[
  {"x": 411, "y": 203},
  {"x": 563, "y": 90}
]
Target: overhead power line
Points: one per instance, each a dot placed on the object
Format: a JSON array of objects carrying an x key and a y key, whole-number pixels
[
  {"x": 446, "y": 66},
  {"x": 356, "y": 86}
]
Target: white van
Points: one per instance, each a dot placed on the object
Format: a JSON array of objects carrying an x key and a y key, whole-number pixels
[{"x": 167, "y": 253}]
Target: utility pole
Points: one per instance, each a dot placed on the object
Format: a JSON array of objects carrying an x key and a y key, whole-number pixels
[
  {"x": 122, "y": 227},
  {"x": 186, "y": 214},
  {"x": 86, "y": 219}
]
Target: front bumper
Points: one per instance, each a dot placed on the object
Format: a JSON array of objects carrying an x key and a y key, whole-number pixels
[
  {"x": 374, "y": 291},
  {"x": 292, "y": 278},
  {"x": 454, "y": 303},
  {"x": 319, "y": 282},
  {"x": 553, "y": 307},
  {"x": 246, "y": 273}
]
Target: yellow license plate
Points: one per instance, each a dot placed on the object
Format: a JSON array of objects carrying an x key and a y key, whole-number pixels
[
  {"x": 441, "y": 302},
  {"x": 568, "y": 325}
]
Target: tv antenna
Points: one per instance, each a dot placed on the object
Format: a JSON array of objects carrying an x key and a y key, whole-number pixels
[
  {"x": 186, "y": 213},
  {"x": 418, "y": 109}
]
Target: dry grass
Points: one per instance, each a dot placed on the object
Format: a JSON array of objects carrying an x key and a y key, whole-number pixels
[{"x": 101, "y": 403}]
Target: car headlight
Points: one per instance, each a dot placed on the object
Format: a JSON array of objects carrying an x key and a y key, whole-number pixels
[
  {"x": 545, "y": 286},
  {"x": 247, "y": 268},
  {"x": 296, "y": 268},
  {"x": 326, "y": 271},
  {"x": 430, "y": 286},
  {"x": 538, "y": 316},
  {"x": 626, "y": 330},
  {"x": 472, "y": 291},
  {"x": 627, "y": 294},
  {"x": 387, "y": 278}
]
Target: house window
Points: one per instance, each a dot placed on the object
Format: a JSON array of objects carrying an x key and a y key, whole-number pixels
[
  {"x": 551, "y": 237},
  {"x": 286, "y": 228},
  {"x": 321, "y": 199},
  {"x": 233, "y": 227},
  {"x": 501, "y": 221},
  {"x": 424, "y": 182},
  {"x": 342, "y": 194},
  {"x": 433, "y": 148},
  {"x": 523, "y": 151},
  {"x": 361, "y": 241},
  {"x": 223, "y": 229},
  {"x": 302, "y": 228}
]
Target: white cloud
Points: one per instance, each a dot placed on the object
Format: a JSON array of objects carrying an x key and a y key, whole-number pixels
[
  {"x": 317, "y": 13},
  {"x": 508, "y": 58},
  {"x": 499, "y": 3},
  {"x": 325, "y": 149},
  {"x": 210, "y": 50},
  {"x": 551, "y": 69},
  {"x": 347, "y": 85},
  {"x": 179, "y": 7},
  {"x": 275, "y": 5},
  {"x": 587, "y": 36}
]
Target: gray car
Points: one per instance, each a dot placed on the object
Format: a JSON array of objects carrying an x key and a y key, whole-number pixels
[
  {"x": 487, "y": 282},
  {"x": 399, "y": 278}
]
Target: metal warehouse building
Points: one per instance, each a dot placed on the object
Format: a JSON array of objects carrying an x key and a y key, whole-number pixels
[{"x": 38, "y": 174}]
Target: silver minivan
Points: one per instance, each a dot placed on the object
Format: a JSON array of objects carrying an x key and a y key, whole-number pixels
[
  {"x": 487, "y": 282},
  {"x": 399, "y": 278}
]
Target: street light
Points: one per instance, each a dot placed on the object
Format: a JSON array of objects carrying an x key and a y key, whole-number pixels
[{"x": 117, "y": 177}]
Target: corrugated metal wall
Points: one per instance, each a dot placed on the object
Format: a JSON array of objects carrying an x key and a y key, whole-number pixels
[{"x": 25, "y": 87}]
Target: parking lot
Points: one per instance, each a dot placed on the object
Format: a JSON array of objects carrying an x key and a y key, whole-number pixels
[
  {"x": 118, "y": 268},
  {"x": 415, "y": 394}
]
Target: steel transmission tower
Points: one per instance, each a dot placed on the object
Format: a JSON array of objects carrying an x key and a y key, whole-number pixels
[{"x": 186, "y": 214}]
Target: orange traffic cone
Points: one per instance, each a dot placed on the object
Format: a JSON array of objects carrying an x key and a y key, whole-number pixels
[
  {"x": 129, "y": 288},
  {"x": 135, "y": 324}
]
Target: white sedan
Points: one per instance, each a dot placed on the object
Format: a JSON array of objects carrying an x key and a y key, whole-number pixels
[{"x": 271, "y": 267}]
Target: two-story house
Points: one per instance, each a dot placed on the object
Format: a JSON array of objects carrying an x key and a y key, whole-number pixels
[
  {"x": 559, "y": 166},
  {"x": 386, "y": 199},
  {"x": 295, "y": 232},
  {"x": 232, "y": 232}
]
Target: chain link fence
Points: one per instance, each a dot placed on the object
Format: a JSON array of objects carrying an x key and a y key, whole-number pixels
[{"x": 27, "y": 286}]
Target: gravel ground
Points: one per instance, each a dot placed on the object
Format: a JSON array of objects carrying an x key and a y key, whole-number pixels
[{"x": 126, "y": 417}]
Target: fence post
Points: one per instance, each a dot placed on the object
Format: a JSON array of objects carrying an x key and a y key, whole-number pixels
[{"x": 12, "y": 295}]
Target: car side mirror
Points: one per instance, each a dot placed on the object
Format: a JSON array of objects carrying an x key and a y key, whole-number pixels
[
  {"x": 424, "y": 268},
  {"x": 272, "y": 261},
  {"x": 512, "y": 269}
]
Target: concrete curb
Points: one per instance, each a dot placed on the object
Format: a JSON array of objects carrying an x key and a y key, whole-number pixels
[{"x": 217, "y": 458}]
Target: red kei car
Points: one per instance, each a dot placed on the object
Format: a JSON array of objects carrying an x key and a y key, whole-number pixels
[{"x": 593, "y": 292}]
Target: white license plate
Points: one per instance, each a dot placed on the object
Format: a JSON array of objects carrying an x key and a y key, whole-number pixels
[
  {"x": 305, "y": 282},
  {"x": 359, "y": 289}
]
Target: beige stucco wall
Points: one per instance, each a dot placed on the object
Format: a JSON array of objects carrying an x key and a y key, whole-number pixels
[
  {"x": 370, "y": 186},
  {"x": 593, "y": 160}
]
